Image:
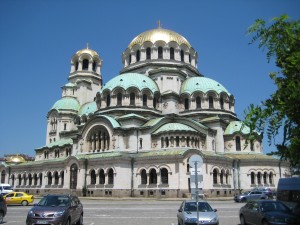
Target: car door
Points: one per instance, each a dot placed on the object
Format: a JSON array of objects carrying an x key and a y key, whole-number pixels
[
  {"x": 252, "y": 212},
  {"x": 256, "y": 213},
  {"x": 18, "y": 198},
  {"x": 10, "y": 198},
  {"x": 75, "y": 209}
]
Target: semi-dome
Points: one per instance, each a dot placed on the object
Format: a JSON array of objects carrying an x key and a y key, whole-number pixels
[
  {"x": 128, "y": 80},
  {"x": 174, "y": 127},
  {"x": 202, "y": 84},
  {"x": 87, "y": 108},
  {"x": 159, "y": 34},
  {"x": 66, "y": 103}
]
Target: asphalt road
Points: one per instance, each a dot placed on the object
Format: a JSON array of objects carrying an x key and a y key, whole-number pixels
[{"x": 132, "y": 212}]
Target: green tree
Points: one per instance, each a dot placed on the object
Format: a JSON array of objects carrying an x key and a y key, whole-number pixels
[{"x": 280, "y": 113}]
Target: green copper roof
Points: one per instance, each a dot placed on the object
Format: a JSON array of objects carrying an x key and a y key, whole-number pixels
[
  {"x": 202, "y": 84},
  {"x": 87, "y": 108},
  {"x": 235, "y": 127},
  {"x": 70, "y": 85},
  {"x": 171, "y": 127},
  {"x": 66, "y": 103},
  {"x": 112, "y": 120},
  {"x": 167, "y": 152},
  {"x": 59, "y": 143},
  {"x": 152, "y": 122},
  {"x": 131, "y": 116},
  {"x": 128, "y": 80}
]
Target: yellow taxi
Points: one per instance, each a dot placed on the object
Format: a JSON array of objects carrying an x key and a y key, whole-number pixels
[{"x": 18, "y": 198}]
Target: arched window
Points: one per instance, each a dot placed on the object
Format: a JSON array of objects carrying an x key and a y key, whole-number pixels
[
  {"x": 221, "y": 103},
  {"x": 35, "y": 179},
  {"x": 119, "y": 99},
  {"x": 271, "y": 178},
  {"x": 20, "y": 179},
  {"x": 85, "y": 64},
  {"x": 171, "y": 53},
  {"x": 222, "y": 177},
  {"x": 167, "y": 142},
  {"x": 190, "y": 59},
  {"x": 198, "y": 102},
  {"x": 62, "y": 177},
  {"x": 94, "y": 66},
  {"x": 153, "y": 177},
  {"x": 138, "y": 55},
  {"x": 93, "y": 177},
  {"x": 154, "y": 102},
  {"x": 30, "y": 179},
  {"x": 177, "y": 141},
  {"x": 110, "y": 176},
  {"x": 13, "y": 180},
  {"x": 41, "y": 179},
  {"x": 252, "y": 178},
  {"x": 211, "y": 102},
  {"x": 265, "y": 177},
  {"x": 56, "y": 178},
  {"x": 101, "y": 177},
  {"x": 129, "y": 59},
  {"x": 145, "y": 100},
  {"x": 76, "y": 66},
  {"x": 182, "y": 56},
  {"x": 132, "y": 98},
  {"x": 143, "y": 177},
  {"x": 160, "y": 52},
  {"x": 162, "y": 142},
  {"x": 148, "y": 53},
  {"x": 215, "y": 176},
  {"x": 186, "y": 103},
  {"x": 259, "y": 178},
  {"x": 49, "y": 178},
  {"x": 164, "y": 174},
  {"x": 238, "y": 143},
  {"x": 108, "y": 100}
]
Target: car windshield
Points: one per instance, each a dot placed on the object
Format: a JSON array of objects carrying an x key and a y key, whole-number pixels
[
  {"x": 273, "y": 206},
  {"x": 54, "y": 201},
  {"x": 246, "y": 193},
  {"x": 7, "y": 187},
  {"x": 202, "y": 207}
]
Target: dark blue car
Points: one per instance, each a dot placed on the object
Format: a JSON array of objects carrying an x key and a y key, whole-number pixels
[{"x": 267, "y": 212}]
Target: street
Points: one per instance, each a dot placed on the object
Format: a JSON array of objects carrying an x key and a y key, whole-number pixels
[{"x": 132, "y": 212}]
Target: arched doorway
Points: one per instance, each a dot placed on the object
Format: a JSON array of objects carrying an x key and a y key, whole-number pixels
[{"x": 73, "y": 176}]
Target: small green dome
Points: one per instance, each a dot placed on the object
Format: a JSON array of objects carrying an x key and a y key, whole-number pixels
[
  {"x": 235, "y": 127},
  {"x": 202, "y": 84},
  {"x": 66, "y": 103},
  {"x": 174, "y": 127},
  {"x": 87, "y": 108},
  {"x": 128, "y": 80}
]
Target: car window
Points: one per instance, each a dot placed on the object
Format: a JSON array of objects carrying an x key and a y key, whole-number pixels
[
  {"x": 202, "y": 207},
  {"x": 19, "y": 194},
  {"x": 10, "y": 195},
  {"x": 7, "y": 188}
]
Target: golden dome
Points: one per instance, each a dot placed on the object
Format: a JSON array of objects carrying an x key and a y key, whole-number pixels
[
  {"x": 15, "y": 159},
  {"x": 159, "y": 34},
  {"x": 87, "y": 51}
]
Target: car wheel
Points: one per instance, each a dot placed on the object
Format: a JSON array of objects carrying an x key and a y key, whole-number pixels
[
  {"x": 265, "y": 222},
  {"x": 1, "y": 217},
  {"x": 242, "y": 219},
  {"x": 80, "y": 221},
  {"x": 24, "y": 203}
]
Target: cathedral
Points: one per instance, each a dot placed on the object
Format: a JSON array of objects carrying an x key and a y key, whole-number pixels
[{"x": 134, "y": 135}]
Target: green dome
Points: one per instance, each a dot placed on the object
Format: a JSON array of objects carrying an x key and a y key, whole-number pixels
[
  {"x": 202, "y": 84},
  {"x": 128, "y": 80},
  {"x": 87, "y": 108},
  {"x": 174, "y": 127},
  {"x": 235, "y": 127},
  {"x": 66, "y": 103}
]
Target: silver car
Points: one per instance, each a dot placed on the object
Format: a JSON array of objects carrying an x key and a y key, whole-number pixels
[
  {"x": 250, "y": 195},
  {"x": 187, "y": 213}
]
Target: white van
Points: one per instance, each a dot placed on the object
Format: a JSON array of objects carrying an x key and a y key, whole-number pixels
[{"x": 5, "y": 189}]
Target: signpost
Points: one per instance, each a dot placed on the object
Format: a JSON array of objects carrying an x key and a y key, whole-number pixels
[{"x": 196, "y": 178}]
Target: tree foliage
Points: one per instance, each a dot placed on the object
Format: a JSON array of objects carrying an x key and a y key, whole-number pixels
[{"x": 281, "y": 111}]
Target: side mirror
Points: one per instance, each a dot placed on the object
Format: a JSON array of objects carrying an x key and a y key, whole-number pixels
[
  {"x": 215, "y": 210},
  {"x": 179, "y": 210}
]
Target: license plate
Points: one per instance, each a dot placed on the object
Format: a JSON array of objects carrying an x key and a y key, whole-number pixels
[{"x": 42, "y": 222}]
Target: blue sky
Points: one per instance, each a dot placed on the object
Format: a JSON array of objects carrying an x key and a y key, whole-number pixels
[{"x": 38, "y": 39}]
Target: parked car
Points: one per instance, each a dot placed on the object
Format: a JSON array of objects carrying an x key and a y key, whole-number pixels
[
  {"x": 18, "y": 198},
  {"x": 267, "y": 191},
  {"x": 187, "y": 213},
  {"x": 5, "y": 189},
  {"x": 250, "y": 195},
  {"x": 267, "y": 212},
  {"x": 56, "y": 210},
  {"x": 3, "y": 208}
]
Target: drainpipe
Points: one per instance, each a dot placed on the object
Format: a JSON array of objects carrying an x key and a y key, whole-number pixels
[
  {"x": 131, "y": 184},
  {"x": 238, "y": 170}
]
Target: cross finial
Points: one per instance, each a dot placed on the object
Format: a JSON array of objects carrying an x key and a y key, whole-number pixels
[
  {"x": 159, "y": 24},
  {"x": 87, "y": 46}
]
